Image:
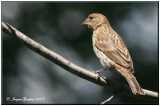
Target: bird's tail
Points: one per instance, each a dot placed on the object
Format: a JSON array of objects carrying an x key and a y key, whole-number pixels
[{"x": 131, "y": 79}]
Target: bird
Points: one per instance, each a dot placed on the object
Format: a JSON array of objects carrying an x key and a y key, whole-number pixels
[{"x": 111, "y": 50}]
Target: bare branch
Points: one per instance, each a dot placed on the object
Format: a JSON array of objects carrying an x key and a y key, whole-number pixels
[
  {"x": 109, "y": 99},
  {"x": 74, "y": 69}
]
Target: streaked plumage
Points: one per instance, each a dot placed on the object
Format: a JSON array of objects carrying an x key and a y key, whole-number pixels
[{"x": 110, "y": 49}]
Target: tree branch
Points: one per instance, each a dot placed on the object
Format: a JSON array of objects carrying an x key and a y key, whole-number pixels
[{"x": 74, "y": 69}]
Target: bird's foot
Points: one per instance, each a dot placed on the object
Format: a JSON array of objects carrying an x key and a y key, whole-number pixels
[
  {"x": 97, "y": 74},
  {"x": 98, "y": 71}
]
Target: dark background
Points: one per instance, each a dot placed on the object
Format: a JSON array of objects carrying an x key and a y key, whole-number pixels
[{"x": 57, "y": 26}]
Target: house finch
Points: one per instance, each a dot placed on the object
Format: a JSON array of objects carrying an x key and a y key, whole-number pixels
[{"x": 110, "y": 49}]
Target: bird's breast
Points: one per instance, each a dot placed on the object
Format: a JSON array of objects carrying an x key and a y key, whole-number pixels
[{"x": 105, "y": 61}]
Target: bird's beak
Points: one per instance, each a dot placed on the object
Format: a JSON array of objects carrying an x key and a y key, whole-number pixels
[{"x": 85, "y": 23}]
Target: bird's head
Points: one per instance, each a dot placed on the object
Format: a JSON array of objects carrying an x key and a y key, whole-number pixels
[{"x": 95, "y": 20}]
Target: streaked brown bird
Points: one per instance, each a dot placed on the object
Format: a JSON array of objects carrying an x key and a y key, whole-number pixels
[{"x": 111, "y": 50}]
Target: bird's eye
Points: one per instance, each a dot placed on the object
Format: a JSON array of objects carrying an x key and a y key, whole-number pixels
[{"x": 90, "y": 18}]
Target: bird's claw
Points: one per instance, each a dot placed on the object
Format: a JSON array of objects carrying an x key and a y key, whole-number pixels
[{"x": 97, "y": 74}]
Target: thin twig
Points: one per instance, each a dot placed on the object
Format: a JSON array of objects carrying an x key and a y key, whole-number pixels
[
  {"x": 70, "y": 67},
  {"x": 109, "y": 99},
  {"x": 116, "y": 92}
]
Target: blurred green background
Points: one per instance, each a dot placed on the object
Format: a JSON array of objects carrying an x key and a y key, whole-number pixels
[{"x": 57, "y": 26}]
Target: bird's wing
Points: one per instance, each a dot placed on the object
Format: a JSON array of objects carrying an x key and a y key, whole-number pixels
[{"x": 116, "y": 51}]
